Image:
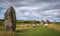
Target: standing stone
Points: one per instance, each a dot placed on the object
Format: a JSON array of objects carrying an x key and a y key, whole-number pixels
[
  {"x": 10, "y": 19},
  {"x": 47, "y": 21},
  {"x": 42, "y": 22}
]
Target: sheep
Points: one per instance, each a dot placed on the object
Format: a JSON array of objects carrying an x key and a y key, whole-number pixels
[
  {"x": 38, "y": 24},
  {"x": 45, "y": 25},
  {"x": 26, "y": 25},
  {"x": 33, "y": 25},
  {"x": 21, "y": 25}
]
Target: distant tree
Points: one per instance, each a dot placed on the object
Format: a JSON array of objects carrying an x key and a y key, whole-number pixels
[
  {"x": 1, "y": 23},
  {"x": 1, "y": 19}
]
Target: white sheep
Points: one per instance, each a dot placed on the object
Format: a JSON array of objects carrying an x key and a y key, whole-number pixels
[
  {"x": 45, "y": 25},
  {"x": 26, "y": 25},
  {"x": 33, "y": 25}
]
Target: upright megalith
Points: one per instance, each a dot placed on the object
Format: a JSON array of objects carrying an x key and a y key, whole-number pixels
[
  {"x": 42, "y": 22},
  {"x": 47, "y": 21},
  {"x": 10, "y": 19}
]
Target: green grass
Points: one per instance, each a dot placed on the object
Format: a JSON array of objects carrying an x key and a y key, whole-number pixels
[
  {"x": 2, "y": 29},
  {"x": 35, "y": 31},
  {"x": 38, "y": 31}
]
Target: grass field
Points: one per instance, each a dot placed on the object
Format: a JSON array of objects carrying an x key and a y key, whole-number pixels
[{"x": 39, "y": 30}]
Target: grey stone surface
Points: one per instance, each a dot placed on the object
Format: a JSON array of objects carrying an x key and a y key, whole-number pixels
[
  {"x": 10, "y": 19},
  {"x": 42, "y": 22},
  {"x": 47, "y": 21}
]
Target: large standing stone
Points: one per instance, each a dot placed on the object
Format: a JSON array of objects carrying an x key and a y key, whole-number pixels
[{"x": 10, "y": 19}]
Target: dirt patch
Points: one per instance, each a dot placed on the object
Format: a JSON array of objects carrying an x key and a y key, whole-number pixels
[{"x": 54, "y": 26}]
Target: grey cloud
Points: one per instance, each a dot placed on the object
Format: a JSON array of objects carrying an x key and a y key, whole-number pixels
[
  {"x": 19, "y": 3},
  {"x": 13, "y": 0},
  {"x": 34, "y": 0},
  {"x": 56, "y": 7},
  {"x": 49, "y": 0},
  {"x": 40, "y": 13}
]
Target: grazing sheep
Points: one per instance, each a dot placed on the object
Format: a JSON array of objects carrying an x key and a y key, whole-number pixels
[
  {"x": 38, "y": 24},
  {"x": 26, "y": 25},
  {"x": 33, "y": 25},
  {"x": 45, "y": 25},
  {"x": 21, "y": 25}
]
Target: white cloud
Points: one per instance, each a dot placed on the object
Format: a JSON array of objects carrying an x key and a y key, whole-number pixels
[
  {"x": 53, "y": 12},
  {"x": 26, "y": 13},
  {"x": 30, "y": 8}
]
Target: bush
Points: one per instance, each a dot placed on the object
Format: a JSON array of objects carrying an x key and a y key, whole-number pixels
[{"x": 1, "y": 23}]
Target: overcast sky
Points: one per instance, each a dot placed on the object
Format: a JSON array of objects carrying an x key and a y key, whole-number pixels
[{"x": 32, "y": 9}]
